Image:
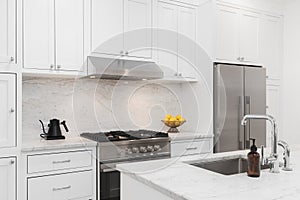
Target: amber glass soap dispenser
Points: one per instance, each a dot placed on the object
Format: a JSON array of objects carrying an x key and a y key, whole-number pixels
[{"x": 253, "y": 161}]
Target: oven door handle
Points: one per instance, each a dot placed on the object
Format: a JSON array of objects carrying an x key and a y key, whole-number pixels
[{"x": 107, "y": 170}]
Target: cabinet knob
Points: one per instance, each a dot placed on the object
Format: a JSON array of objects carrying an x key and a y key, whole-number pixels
[
  {"x": 239, "y": 58},
  {"x": 12, "y": 162},
  {"x": 180, "y": 74},
  {"x": 51, "y": 66},
  {"x": 58, "y": 66},
  {"x": 242, "y": 58},
  {"x": 12, "y": 59},
  {"x": 12, "y": 110},
  {"x": 126, "y": 53},
  {"x": 121, "y": 52}
]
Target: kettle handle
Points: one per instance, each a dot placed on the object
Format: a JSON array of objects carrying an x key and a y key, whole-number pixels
[{"x": 65, "y": 126}]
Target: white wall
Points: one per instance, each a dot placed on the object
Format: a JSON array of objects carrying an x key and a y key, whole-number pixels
[{"x": 290, "y": 102}]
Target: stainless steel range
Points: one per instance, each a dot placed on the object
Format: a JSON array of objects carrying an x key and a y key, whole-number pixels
[{"x": 117, "y": 147}]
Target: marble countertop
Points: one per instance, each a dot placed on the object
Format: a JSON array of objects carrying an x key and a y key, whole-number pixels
[
  {"x": 188, "y": 136},
  {"x": 181, "y": 181},
  {"x": 38, "y": 144}
]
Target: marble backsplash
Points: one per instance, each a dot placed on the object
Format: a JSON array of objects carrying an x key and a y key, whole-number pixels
[{"x": 90, "y": 105}]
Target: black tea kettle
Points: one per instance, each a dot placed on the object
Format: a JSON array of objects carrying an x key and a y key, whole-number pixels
[{"x": 54, "y": 132}]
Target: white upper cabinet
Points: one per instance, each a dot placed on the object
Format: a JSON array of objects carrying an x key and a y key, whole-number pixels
[
  {"x": 249, "y": 36},
  {"x": 138, "y": 16},
  {"x": 38, "y": 18},
  {"x": 186, "y": 41},
  {"x": 179, "y": 48},
  {"x": 69, "y": 21},
  {"x": 8, "y": 31},
  {"x": 271, "y": 45},
  {"x": 109, "y": 34},
  {"x": 237, "y": 34},
  {"x": 54, "y": 34},
  {"x": 7, "y": 110},
  {"x": 8, "y": 179},
  {"x": 107, "y": 26},
  {"x": 227, "y": 33},
  {"x": 167, "y": 20}
]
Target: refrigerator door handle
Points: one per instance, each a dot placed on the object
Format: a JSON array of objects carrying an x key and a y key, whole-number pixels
[
  {"x": 241, "y": 133},
  {"x": 247, "y": 128}
]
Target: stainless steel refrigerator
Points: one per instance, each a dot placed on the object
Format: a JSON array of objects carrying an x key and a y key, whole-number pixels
[{"x": 238, "y": 90}]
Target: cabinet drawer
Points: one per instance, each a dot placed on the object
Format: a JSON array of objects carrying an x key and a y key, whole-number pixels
[
  {"x": 190, "y": 147},
  {"x": 65, "y": 186},
  {"x": 59, "y": 161}
]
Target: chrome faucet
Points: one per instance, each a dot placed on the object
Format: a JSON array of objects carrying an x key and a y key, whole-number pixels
[
  {"x": 272, "y": 160},
  {"x": 286, "y": 155}
]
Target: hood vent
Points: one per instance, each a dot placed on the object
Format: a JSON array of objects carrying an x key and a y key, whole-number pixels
[{"x": 123, "y": 69}]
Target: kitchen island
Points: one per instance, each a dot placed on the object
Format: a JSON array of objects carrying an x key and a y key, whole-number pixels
[{"x": 170, "y": 179}]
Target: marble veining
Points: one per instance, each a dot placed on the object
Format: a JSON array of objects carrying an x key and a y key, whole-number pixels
[
  {"x": 181, "y": 181},
  {"x": 90, "y": 105}
]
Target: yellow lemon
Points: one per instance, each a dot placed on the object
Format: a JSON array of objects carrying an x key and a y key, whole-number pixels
[
  {"x": 166, "y": 119},
  {"x": 172, "y": 119},
  {"x": 178, "y": 117},
  {"x": 168, "y": 116},
  {"x": 181, "y": 119},
  {"x": 177, "y": 123}
]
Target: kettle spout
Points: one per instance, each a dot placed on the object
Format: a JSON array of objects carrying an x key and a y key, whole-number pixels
[{"x": 43, "y": 126}]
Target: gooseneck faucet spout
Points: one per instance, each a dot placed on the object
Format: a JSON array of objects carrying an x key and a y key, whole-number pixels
[{"x": 274, "y": 155}]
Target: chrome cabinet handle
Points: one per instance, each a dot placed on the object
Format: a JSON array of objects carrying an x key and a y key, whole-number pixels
[
  {"x": 191, "y": 148},
  {"x": 61, "y": 161},
  {"x": 61, "y": 188}
]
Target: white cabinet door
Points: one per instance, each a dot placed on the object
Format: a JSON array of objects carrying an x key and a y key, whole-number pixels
[
  {"x": 8, "y": 31},
  {"x": 186, "y": 41},
  {"x": 69, "y": 34},
  {"x": 167, "y": 54},
  {"x": 107, "y": 23},
  {"x": 138, "y": 16},
  {"x": 273, "y": 103},
  {"x": 249, "y": 36},
  {"x": 38, "y": 30},
  {"x": 8, "y": 178},
  {"x": 271, "y": 45},
  {"x": 7, "y": 110},
  {"x": 227, "y": 32},
  {"x": 70, "y": 186}
]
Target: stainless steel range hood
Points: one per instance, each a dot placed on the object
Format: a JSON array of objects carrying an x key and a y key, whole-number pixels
[{"x": 121, "y": 68}]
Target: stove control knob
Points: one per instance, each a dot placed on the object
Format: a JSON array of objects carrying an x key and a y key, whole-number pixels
[
  {"x": 157, "y": 147},
  {"x": 150, "y": 148},
  {"x": 129, "y": 151},
  {"x": 135, "y": 149},
  {"x": 143, "y": 149}
]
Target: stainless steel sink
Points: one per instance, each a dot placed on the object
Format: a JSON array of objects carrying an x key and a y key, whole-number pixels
[{"x": 226, "y": 167}]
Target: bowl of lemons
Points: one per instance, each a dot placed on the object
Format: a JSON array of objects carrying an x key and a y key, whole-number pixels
[{"x": 173, "y": 122}]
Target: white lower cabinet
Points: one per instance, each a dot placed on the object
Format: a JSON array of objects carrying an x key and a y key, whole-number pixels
[
  {"x": 8, "y": 178},
  {"x": 70, "y": 186},
  {"x": 190, "y": 147},
  {"x": 65, "y": 174}
]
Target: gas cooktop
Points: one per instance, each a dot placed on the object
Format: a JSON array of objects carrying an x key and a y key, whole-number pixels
[{"x": 115, "y": 136}]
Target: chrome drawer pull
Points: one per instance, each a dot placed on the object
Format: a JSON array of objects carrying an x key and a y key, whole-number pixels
[
  {"x": 61, "y": 188},
  {"x": 191, "y": 148},
  {"x": 62, "y": 161}
]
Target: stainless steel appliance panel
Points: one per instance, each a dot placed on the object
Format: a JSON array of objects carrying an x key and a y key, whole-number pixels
[
  {"x": 255, "y": 103},
  {"x": 228, "y": 107}
]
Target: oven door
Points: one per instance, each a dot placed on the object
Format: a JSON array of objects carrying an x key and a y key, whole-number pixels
[{"x": 109, "y": 182}]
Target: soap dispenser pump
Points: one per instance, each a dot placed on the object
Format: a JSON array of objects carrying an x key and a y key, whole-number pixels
[{"x": 253, "y": 161}]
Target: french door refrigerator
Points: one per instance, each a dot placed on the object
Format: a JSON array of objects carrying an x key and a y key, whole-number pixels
[{"x": 238, "y": 90}]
